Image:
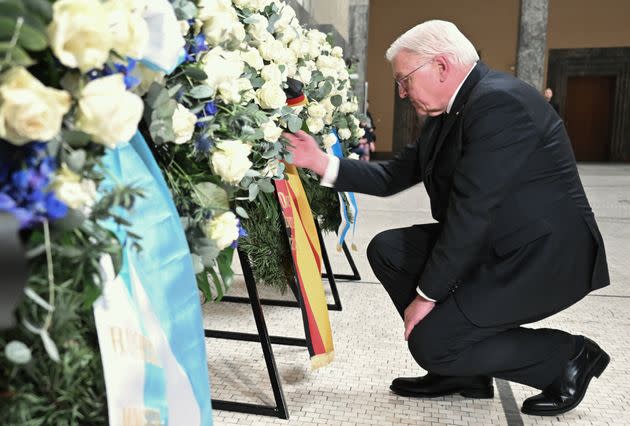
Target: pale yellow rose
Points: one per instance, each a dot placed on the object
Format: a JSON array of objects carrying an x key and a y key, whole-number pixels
[
  {"x": 271, "y": 132},
  {"x": 108, "y": 112},
  {"x": 29, "y": 110},
  {"x": 79, "y": 33},
  {"x": 223, "y": 229},
  {"x": 271, "y": 96},
  {"x": 230, "y": 160},
  {"x": 183, "y": 124},
  {"x": 329, "y": 140},
  {"x": 315, "y": 125},
  {"x": 345, "y": 134}
]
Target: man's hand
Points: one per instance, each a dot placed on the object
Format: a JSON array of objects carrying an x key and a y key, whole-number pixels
[
  {"x": 306, "y": 152},
  {"x": 415, "y": 312}
]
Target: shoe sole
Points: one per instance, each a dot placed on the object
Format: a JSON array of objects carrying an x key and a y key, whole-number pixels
[
  {"x": 466, "y": 393},
  {"x": 596, "y": 371}
]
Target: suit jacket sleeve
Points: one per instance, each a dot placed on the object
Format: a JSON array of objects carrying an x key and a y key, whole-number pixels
[
  {"x": 384, "y": 179},
  {"x": 498, "y": 137}
]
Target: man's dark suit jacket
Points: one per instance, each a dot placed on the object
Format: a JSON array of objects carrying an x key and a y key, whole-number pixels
[{"x": 519, "y": 240}]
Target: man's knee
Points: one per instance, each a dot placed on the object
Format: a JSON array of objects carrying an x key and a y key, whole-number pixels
[
  {"x": 377, "y": 250},
  {"x": 430, "y": 352}
]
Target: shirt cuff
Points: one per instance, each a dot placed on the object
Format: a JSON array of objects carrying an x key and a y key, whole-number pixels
[
  {"x": 331, "y": 173},
  {"x": 424, "y": 296}
]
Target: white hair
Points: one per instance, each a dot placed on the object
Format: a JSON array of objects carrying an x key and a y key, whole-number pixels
[{"x": 432, "y": 38}]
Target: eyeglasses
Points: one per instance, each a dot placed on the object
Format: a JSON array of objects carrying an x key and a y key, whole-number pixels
[{"x": 403, "y": 83}]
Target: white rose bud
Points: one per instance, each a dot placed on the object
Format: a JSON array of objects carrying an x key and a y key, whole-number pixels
[
  {"x": 229, "y": 91},
  {"x": 108, "y": 112},
  {"x": 315, "y": 125},
  {"x": 304, "y": 74},
  {"x": 223, "y": 229},
  {"x": 271, "y": 132},
  {"x": 29, "y": 110},
  {"x": 271, "y": 96},
  {"x": 257, "y": 27},
  {"x": 230, "y": 160},
  {"x": 345, "y": 134},
  {"x": 316, "y": 110},
  {"x": 183, "y": 124},
  {"x": 329, "y": 140},
  {"x": 79, "y": 34}
]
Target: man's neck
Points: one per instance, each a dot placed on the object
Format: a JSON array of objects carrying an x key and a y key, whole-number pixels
[{"x": 463, "y": 74}]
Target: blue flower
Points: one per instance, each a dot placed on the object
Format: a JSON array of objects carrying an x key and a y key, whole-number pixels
[
  {"x": 203, "y": 144},
  {"x": 241, "y": 233},
  {"x": 210, "y": 108}
]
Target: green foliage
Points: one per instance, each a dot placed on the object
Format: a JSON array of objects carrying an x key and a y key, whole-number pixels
[
  {"x": 324, "y": 202},
  {"x": 266, "y": 245}
]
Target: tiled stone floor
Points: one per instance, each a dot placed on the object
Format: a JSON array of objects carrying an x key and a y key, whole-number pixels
[{"x": 370, "y": 350}]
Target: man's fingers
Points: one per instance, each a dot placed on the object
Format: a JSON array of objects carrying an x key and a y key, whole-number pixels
[{"x": 408, "y": 328}]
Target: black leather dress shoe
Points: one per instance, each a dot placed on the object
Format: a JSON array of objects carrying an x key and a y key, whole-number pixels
[
  {"x": 567, "y": 391},
  {"x": 433, "y": 385}
]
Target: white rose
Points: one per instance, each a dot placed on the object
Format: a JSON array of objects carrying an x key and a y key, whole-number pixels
[
  {"x": 337, "y": 52},
  {"x": 222, "y": 66},
  {"x": 256, "y": 5},
  {"x": 271, "y": 96},
  {"x": 271, "y": 132},
  {"x": 246, "y": 89},
  {"x": 272, "y": 73},
  {"x": 316, "y": 110},
  {"x": 359, "y": 132},
  {"x": 223, "y": 229},
  {"x": 219, "y": 21},
  {"x": 79, "y": 34},
  {"x": 312, "y": 50},
  {"x": 353, "y": 156},
  {"x": 315, "y": 125},
  {"x": 345, "y": 134},
  {"x": 108, "y": 112},
  {"x": 252, "y": 58},
  {"x": 297, "y": 47},
  {"x": 329, "y": 140},
  {"x": 183, "y": 124},
  {"x": 272, "y": 50},
  {"x": 257, "y": 27},
  {"x": 304, "y": 74},
  {"x": 230, "y": 160},
  {"x": 229, "y": 91},
  {"x": 29, "y": 110},
  {"x": 316, "y": 36},
  {"x": 130, "y": 32},
  {"x": 286, "y": 16},
  {"x": 72, "y": 191}
]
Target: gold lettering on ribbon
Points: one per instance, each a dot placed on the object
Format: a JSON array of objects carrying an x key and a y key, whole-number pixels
[
  {"x": 141, "y": 416},
  {"x": 131, "y": 344}
]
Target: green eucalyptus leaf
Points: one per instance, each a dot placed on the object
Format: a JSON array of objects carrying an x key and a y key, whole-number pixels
[
  {"x": 75, "y": 138},
  {"x": 204, "y": 285},
  {"x": 224, "y": 261},
  {"x": 253, "y": 191},
  {"x": 196, "y": 73},
  {"x": 336, "y": 100},
  {"x": 32, "y": 39},
  {"x": 241, "y": 212},
  {"x": 265, "y": 185},
  {"x": 42, "y": 8},
  {"x": 17, "y": 352},
  {"x": 200, "y": 92},
  {"x": 76, "y": 160},
  {"x": 17, "y": 55},
  {"x": 212, "y": 196},
  {"x": 184, "y": 9},
  {"x": 295, "y": 123}
]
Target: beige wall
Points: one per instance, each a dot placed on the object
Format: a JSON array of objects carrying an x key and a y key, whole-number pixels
[
  {"x": 492, "y": 26},
  {"x": 333, "y": 12}
]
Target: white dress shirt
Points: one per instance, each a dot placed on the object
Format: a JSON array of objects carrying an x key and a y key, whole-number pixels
[{"x": 332, "y": 169}]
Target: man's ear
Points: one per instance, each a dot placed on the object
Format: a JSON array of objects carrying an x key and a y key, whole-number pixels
[{"x": 444, "y": 66}]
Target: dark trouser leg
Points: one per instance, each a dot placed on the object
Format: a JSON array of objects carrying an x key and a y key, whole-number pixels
[
  {"x": 398, "y": 256},
  {"x": 447, "y": 343}
]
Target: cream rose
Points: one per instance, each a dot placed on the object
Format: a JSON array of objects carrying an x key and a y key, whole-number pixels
[
  {"x": 222, "y": 66},
  {"x": 79, "y": 33},
  {"x": 108, "y": 112},
  {"x": 72, "y": 191},
  {"x": 252, "y": 58},
  {"x": 271, "y": 132},
  {"x": 271, "y": 96},
  {"x": 223, "y": 229},
  {"x": 29, "y": 110},
  {"x": 345, "y": 134},
  {"x": 316, "y": 110},
  {"x": 329, "y": 140},
  {"x": 272, "y": 73},
  {"x": 230, "y": 160},
  {"x": 183, "y": 124},
  {"x": 220, "y": 21},
  {"x": 315, "y": 125},
  {"x": 257, "y": 27},
  {"x": 130, "y": 32}
]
